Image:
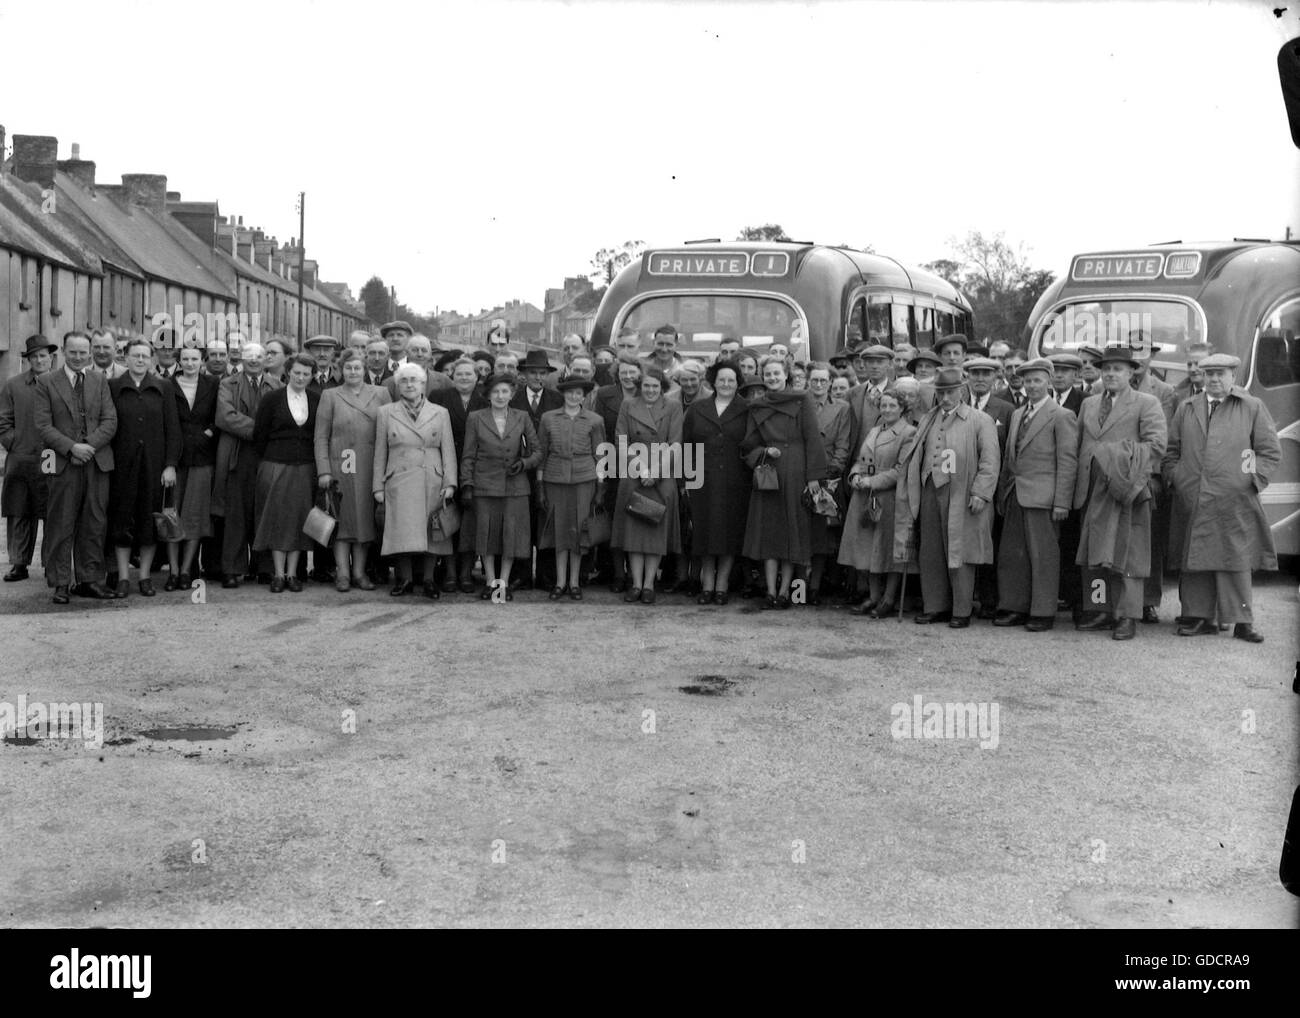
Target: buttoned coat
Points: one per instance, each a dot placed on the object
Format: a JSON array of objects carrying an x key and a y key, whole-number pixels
[
  {"x": 1040, "y": 465},
  {"x": 54, "y": 417},
  {"x": 570, "y": 446},
  {"x": 197, "y": 448},
  {"x": 488, "y": 453},
  {"x": 26, "y": 488},
  {"x": 720, "y": 506},
  {"x": 871, "y": 547},
  {"x": 236, "y": 415},
  {"x": 835, "y": 422},
  {"x": 345, "y": 423},
  {"x": 656, "y": 427},
  {"x": 414, "y": 461},
  {"x": 147, "y": 440},
  {"x": 459, "y": 412},
  {"x": 1218, "y": 522},
  {"x": 972, "y": 438}
]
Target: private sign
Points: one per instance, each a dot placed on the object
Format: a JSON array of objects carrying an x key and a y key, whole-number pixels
[
  {"x": 1117, "y": 268},
  {"x": 694, "y": 263}
]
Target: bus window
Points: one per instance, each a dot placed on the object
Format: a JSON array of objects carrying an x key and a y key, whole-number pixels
[
  {"x": 1277, "y": 354},
  {"x": 924, "y": 327},
  {"x": 756, "y": 321},
  {"x": 1172, "y": 325},
  {"x": 878, "y": 324},
  {"x": 900, "y": 320},
  {"x": 945, "y": 322},
  {"x": 857, "y": 327}
]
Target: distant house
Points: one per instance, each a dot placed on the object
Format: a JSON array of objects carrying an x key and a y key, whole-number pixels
[{"x": 562, "y": 316}]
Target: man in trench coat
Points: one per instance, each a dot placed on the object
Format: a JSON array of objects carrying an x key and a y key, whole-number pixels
[{"x": 1223, "y": 448}]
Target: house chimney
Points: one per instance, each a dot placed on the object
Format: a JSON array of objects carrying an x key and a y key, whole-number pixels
[
  {"x": 76, "y": 151},
  {"x": 262, "y": 252},
  {"x": 146, "y": 190},
  {"x": 35, "y": 158},
  {"x": 80, "y": 170}
]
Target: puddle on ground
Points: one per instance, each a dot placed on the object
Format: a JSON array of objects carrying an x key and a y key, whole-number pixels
[
  {"x": 16, "y": 740},
  {"x": 189, "y": 733},
  {"x": 709, "y": 685}
]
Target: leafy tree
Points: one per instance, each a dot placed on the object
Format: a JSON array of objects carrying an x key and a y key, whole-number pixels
[
  {"x": 610, "y": 261},
  {"x": 768, "y": 232},
  {"x": 998, "y": 281},
  {"x": 374, "y": 295}
]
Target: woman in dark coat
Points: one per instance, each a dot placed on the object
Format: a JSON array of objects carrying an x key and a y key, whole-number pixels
[
  {"x": 783, "y": 431},
  {"x": 570, "y": 438},
  {"x": 718, "y": 425},
  {"x": 500, "y": 448},
  {"x": 146, "y": 448},
  {"x": 651, "y": 424},
  {"x": 461, "y": 400},
  {"x": 284, "y": 435},
  {"x": 835, "y": 421},
  {"x": 195, "y": 392},
  {"x": 606, "y": 403}
]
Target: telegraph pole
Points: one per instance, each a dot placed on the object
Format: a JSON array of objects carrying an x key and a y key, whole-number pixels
[{"x": 302, "y": 263}]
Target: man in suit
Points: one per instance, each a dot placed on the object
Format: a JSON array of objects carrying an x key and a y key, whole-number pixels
[
  {"x": 947, "y": 486},
  {"x": 165, "y": 345},
  {"x": 26, "y": 487},
  {"x": 396, "y": 335},
  {"x": 103, "y": 354},
  {"x": 1090, "y": 372},
  {"x": 1144, "y": 381},
  {"x": 1011, "y": 388},
  {"x": 234, "y": 483},
  {"x": 1194, "y": 383},
  {"x": 323, "y": 349},
  {"x": 1122, "y": 437},
  {"x": 536, "y": 399},
  {"x": 864, "y": 398},
  {"x": 981, "y": 374},
  {"x": 571, "y": 346},
  {"x": 1034, "y": 496},
  {"x": 1066, "y": 394},
  {"x": 378, "y": 369},
  {"x": 76, "y": 421},
  {"x": 1065, "y": 376}
]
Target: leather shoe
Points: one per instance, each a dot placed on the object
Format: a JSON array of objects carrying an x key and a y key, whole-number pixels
[
  {"x": 277, "y": 585},
  {"x": 864, "y": 608},
  {"x": 1245, "y": 631},
  {"x": 1149, "y": 615},
  {"x": 342, "y": 584},
  {"x": 1198, "y": 627},
  {"x": 61, "y": 595},
  {"x": 465, "y": 586},
  {"x": 706, "y": 597},
  {"x": 449, "y": 585},
  {"x": 1011, "y": 619},
  {"x": 556, "y": 593},
  {"x": 959, "y": 622},
  {"x": 881, "y": 611},
  {"x": 633, "y": 595},
  {"x": 146, "y": 588},
  {"x": 230, "y": 581},
  {"x": 294, "y": 584},
  {"x": 1039, "y": 625},
  {"x": 618, "y": 587},
  {"x": 363, "y": 582},
  {"x": 1125, "y": 629},
  {"x": 16, "y": 573},
  {"x": 575, "y": 593},
  {"x": 120, "y": 591},
  {"x": 170, "y": 585},
  {"x": 931, "y": 618},
  {"x": 721, "y": 596},
  {"x": 431, "y": 591},
  {"x": 184, "y": 581},
  {"x": 648, "y": 595},
  {"x": 401, "y": 588},
  {"x": 1095, "y": 622}
]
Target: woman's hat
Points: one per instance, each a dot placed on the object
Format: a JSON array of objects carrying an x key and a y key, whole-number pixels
[
  {"x": 37, "y": 343},
  {"x": 445, "y": 359},
  {"x": 483, "y": 355},
  {"x": 585, "y": 384},
  {"x": 928, "y": 356},
  {"x": 536, "y": 359},
  {"x": 754, "y": 382}
]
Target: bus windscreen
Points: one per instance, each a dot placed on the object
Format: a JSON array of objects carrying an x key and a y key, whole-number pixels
[
  {"x": 1170, "y": 325},
  {"x": 704, "y": 320}
]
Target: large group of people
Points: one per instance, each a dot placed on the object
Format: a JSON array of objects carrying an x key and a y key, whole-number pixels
[{"x": 1007, "y": 489}]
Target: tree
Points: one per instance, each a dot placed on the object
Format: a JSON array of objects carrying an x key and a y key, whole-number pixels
[
  {"x": 374, "y": 295},
  {"x": 609, "y": 261},
  {"x": 945, "y": 268},
  {"x": 998, "y": 281},
  {"x": 768, "y": 232}
]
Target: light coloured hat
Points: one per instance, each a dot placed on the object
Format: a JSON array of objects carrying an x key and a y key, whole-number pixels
[
  {"x": 1038, "y": 364},
  {"x": 981, "y": 364},
  {"x": 1221, "y": 360}
]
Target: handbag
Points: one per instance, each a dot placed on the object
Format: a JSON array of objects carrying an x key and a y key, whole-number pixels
[
  {"x": 765, "y": 476},
  {"x": 872, "y": 512},
  {"x": 650, "y": 509},
  {"x": 444, "y": 522},
  {"x": 167, "y": 524},
  {"x": 596, "y": 528},
  {"x": 322, "y": 521}
]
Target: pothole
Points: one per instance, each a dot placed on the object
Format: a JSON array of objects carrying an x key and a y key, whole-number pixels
[
  {"x": 190, "y": 733},
  {"x": 709, "y": 685}
]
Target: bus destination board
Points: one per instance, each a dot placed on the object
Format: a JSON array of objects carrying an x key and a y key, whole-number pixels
[
  {"x": 1116, "y": 268},
  {"x": 698, "y": 263}
]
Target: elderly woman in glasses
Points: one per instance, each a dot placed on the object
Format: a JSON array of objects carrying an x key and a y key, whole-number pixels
[{"x": 414, "y": 476}]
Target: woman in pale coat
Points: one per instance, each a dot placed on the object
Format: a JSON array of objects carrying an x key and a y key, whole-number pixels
[
  {"x": 414, "y": 474},
  {"x": 345, "y": 451}
]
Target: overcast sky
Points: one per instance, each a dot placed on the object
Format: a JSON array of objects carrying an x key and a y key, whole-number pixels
[{"x": 474, "y": 152}]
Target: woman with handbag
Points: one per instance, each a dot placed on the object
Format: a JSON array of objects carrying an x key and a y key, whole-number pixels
[
  {"x": 570, "y": 439},
  {"x": 345, "y": 462},
  {"x": 868, "y": 544},
  {"x": 501, "y": 446},
  {"x": 146, "y": 449},
  {"x": 195, "y": 393},
  {"x": 835, "y": 422},
  {"x": 783, "y": 445},
  {"x": 414, "y": 478},
  {"x": 284, "y": 435},
  {"x": 717, "y": 425},
  {"x": 461, "y": 400},
  {"x": 646, "y": 523}
]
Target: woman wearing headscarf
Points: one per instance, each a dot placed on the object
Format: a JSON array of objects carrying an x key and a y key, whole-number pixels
[
  {"x": 284, "y": 435},
  {"x": 195, "y": 393},
  {"x": 345, "y": 456},
  {"x": 717, "y": 424},
  {"x": 652, "y": 425},
  {"x": 782, "y": 431},
  {"x": 414, "y": 475},
  {"x": 500, "y": 448},
  {"x": 570, "y": 438}
]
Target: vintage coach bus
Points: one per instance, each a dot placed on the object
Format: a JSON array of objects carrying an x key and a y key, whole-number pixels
[
  {"x": 1242, "y": 297},
  {"x": 765, "y": 293}
]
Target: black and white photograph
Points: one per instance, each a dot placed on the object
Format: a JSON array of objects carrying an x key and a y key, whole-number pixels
[{"x": 536, "y": 465}]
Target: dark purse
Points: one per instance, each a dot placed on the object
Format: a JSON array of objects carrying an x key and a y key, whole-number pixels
[
  {"x": 167, "y": 524},
  {"x": 765, "y": 476},
  {"x": 596, "y": 528},
  {"x": 645, "y": 507},
  {"x": 444, "y": 522},
  {"x": 322, "y": 521}
]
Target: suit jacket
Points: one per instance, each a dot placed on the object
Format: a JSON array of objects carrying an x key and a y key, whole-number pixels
[
  {"x": 1183, "y": 390},
  {"x": 1073, "y": 399},
  {"x": 384, "y": 375},
  {"x": 197, "y": 449},
  {"x": 551, "y": 399},
  {"x": 54, "y": 417},
  {"x": 449, "y": 399},
  {"x": 1134, "y": 417},
  {"x": 570, "y": 446},
  {"x": 1040, "y": 465},
  {"x": 1000, "y": 410},
  {"x": 332, "y": 380},
  {"x": 488, "y": 453},
  {"x": 236, "y": 416},
  {"x": 864, "y": 412}
]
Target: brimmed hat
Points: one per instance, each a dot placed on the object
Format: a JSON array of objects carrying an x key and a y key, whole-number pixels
[
  {"x": 1121, "y": 355},
  {"x": 585, "y": 384},
  {"x": 445, "y": 359},
  {"x": 388, "y": 327},
  {"x": 981, "y": 364},
  {"x": 928, "y": 356},
  {"x": 955, "y": 337},
  {"x": 482, "y": 355},
  {"x": 37, "y": 343},
  {"x": 321, "y": 341},
  {"x": 876, "y": 352},
  {"x": 1040, "y": 364},
  {"x": 536, "y": 359},
  {"x": 1090, "y": 351},
  {"x": 1220, "y": 360},
  {"x": 1067, "y": 360},
  {"x": 499, "y": 379},
  {"x": 752, "y": 382},
  {"x": 1144, "y": 352},
  {"x": 949, "y": 378},
  {"x": 843, "y": 354}
]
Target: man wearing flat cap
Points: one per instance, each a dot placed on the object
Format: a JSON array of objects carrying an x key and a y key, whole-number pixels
[
  {"x": 323, "y": 349},
  {"x": 949, "y": 475},
  {"x": 26, "y": 487},
  {"x": 864, "y": 398},
  {"x": 951, "y": 349},
  {"x": 1034, "y": 496},
  {"x": 395, "y": 334},
  {"x": 1223, "y": 449},
  {"x": 1066, "y": 394},
  {"x": 1065, "y": 376},
  {"x": 1122, "y": 437}
]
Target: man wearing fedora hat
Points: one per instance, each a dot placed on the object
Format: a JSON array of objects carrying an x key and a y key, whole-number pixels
[
  {"x": 947, "y": 486},
  {"x": 536, "y": 398},
  {"x": 1034, "y": 495},
  {"x": 1223, "y": 449},
  {"x": 26, "y": 487},
  {"x": 1122, "y": 436},
  {"x": 1144, "y": 381}
]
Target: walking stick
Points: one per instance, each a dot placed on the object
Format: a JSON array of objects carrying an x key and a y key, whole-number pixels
[{"x": 902, "y": 593}]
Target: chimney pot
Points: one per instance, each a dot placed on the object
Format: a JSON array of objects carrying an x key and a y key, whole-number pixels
[{"x": 76, "y": 151}]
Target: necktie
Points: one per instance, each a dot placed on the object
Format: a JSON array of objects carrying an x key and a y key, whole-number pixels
[
  {"x": 535, "y": 397},
  {"x": 1024, "y": 428},
  {"x": 1106, "y": 403},
  {"x": 1214, "y": 405}
]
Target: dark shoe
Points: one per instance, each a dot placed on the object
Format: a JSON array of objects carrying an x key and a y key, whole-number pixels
[
  {"x": 449, "y": 585},
  {"x": 16, "y": 573},
  {"x": 61, "y": 595},
  {"x": 321, "y": 576},
  {"x": 230, "y": 581},
  {"x": 618, "y": 586},
  {"x": 864, "y": 608},
  {"x": 430, "y": 590},
  {"x": 146, "y": 588},
  {"x": 170, "y": 585},
  {"x": 121, "y": 590},
  {"x": 294, "y": 584},
  {"x": 575, "y": 593},
  {"x": 783, "y": 602},
  {"x": 1245, "y": 631},
  {"x": 524, "y": 584},
  {"x": 770, "y": 602},
  {"x": 254, "y": 578},
  {"x": 556, "y": 593},
  {"x": 277, "y": 585},
  {"x": 648, "y": 595},
  {"x": 401, "y": 588},
  {"x": 363, "y": 583},
  {"x": 184, "y": 582},
  {"x": 342, "y": 584},
  {"x": 1039, "y": 625},
  {"x": 959, "y": 622},
  {"x": 633, "y": 595},
  {"x": 465, "y": 586},
  {"x": 1125, "y": 629},
  {"x": 1095, "y": 622},
  {"x": 1149, "y": 615},
  {"x": 510, "y": 594},
  {"x": 1011, "y": 619},
  {"x": 706, "y": 597},
  {"x": 721, "y": 597},
  {"x": 881, "y": 611},
  {"x": 1199, "y": 627},
  {"x": 485, "y": 594},
  {"x": 814, "y": 600},
  {"x": 932, "y": 618}
]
